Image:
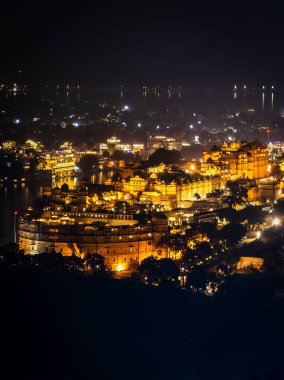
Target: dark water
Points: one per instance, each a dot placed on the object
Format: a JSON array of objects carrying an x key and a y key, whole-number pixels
[
  {"x": 15, "y": 197},
  {"x": 185, "y": 99}
]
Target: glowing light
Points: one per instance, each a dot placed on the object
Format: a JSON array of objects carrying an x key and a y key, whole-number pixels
[
  {"x": 126, "y": 108},
  {"x": 258, "y": 234},
  {"x": 276, "y": 222},
  {"x": 139, "y": 125},
  {"x": 119, "y": 268}
]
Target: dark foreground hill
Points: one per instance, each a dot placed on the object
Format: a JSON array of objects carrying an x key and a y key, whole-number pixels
[{"x": 71, "y": 327}]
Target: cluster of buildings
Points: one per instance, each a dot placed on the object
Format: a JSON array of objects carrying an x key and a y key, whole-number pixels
[
  {"x": 235, "y": 160},
  {"x": 73, "y": 223},
  {"x": 124, "y": 218}
]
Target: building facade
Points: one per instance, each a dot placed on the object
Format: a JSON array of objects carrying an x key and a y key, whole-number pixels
[
  {"x": 236, "y": 160},
  {"x": 119, "y": 237}
]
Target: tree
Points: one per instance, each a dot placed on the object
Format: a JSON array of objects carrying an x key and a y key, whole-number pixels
[
  {"x": 149, "y": 269},
  {"x": 95, "y": 262},
  {"x": 197, "y": 279},
  {"x": 197, "y": 196},
  {"x": 188, "y": 258},
  {"x": 164, "y": 156},
  {"x": 237, "y": 189},
  {"x": 233, "y": 216},
  {"x": 57, "y": 263},
  {"x": 217, "y": 193},
  {"x": 233, "y": 233},
  {"x": 88, "y": 163},
  {"x": 237, "y": 193},
  {"x": 209, "y": 229},
  {"x": 253, "y": 214},
  {"x": 160, "y": 271},
  {"x": 119, "y": 155},
  {"x": 11, "y": 257},
  {"x": 174, "y": 243},
  {"x": 168, "y": 271},
  {"x": 276, "y": 171},
  {"x": 203, "y": 250}
]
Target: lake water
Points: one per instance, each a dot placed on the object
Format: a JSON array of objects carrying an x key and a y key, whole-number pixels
[{"x": 186, "y": 99}]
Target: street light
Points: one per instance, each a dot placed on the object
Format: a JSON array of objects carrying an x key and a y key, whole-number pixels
[
  {"x": 276, "y": 221},
  {"x": 15, "y": 226},
  {"x": 258, "y": 234}
]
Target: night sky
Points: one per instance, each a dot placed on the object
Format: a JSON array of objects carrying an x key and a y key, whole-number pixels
[{"x": 143, "y": 42}]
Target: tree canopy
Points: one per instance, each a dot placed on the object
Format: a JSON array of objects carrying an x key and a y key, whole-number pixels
[{"x": 164, "y": 156}]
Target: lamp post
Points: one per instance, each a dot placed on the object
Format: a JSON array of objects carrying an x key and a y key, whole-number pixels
[{"x": 15, "y": 226}]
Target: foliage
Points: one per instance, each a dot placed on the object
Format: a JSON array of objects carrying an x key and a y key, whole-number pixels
[
  {"x": 88, "y": 163},
  {"x": 56, "y": 262},
  {"x": 119, "y": 155},
  {"x": 172, "y": 242},
  {"x": 52, "y": 262},
  {"x": 276, "y": 171},
  {"x": 252, "y": 214},
  {"x": 209, "y": 229},
  {"x": 232, "y": 233},
  {"x": 95, "y": 262},
  {"x": 156, "y": 271},
  {"x": 232, "y": 215},
  {"x": 164, "y": 156},
  {"x": 197, "y": 196},
  {"x": 11, "y": 257},
  {"x": 217, "y": 193},
  {"x": 237, "y": 193}
]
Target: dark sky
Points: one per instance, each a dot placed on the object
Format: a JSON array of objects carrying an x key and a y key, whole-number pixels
[{"x": 143, "y": 42}]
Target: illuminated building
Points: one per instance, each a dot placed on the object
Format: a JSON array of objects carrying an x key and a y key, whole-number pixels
[
  {"x": 69, "y": 226},
  {"x": 236, "y": 160},
  {"x": 61, "y": 162},
  {"x": 270, "y": 189},
  {"x": 135, "y": 185},
  {"x": 186, "y": 192},
  {"x": 125, "y": 245},
  {"x": 250, "y": 262},
  {"x": 156, "y": 142},
  {"x": 9, "y": 145}
]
